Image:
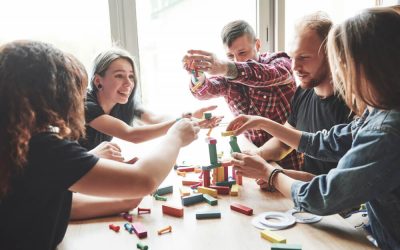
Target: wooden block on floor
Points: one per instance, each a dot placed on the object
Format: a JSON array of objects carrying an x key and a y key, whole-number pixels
[
  {"x": 164, "y": 190},
  {"x": 241, "y": 209},
  {"x": 282, "y": 246},
  {"x": 190, "y": 182},
  {"x": 221, "y": 189},
  {"x": 234, "y": 190},
  {"x": 208, "y": 215},
  {"x": 172, "y": 210},
  {"x": 210, "y": 200},
  {"x": 185, "y": 191},
  {"x": 185, "y": 169},
  {"x": 272, "y": 237}
]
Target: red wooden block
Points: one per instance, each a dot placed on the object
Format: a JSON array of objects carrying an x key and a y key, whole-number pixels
[
  {"x": 139, "y": 230},
  {"x": 185, "y": 169},
  {"x": 206, "y": 178},
  {"x": 144, "y": 210},
  {"x": 172, "y": 210},
  {"x": 114, "y": 228},
  {"x": 221, "y": 189},
  {"x": 190, "y": 182},
  {"x": 127, "y": 217},
  {"x": 241, "y": 209},
  {"x": 239, "y": 179}
]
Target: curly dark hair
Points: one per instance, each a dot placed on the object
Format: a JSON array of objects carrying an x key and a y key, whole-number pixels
[{"x": 40, "y": 87}]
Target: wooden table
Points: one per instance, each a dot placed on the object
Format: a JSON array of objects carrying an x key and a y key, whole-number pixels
[{"x": 232, "y": 231}]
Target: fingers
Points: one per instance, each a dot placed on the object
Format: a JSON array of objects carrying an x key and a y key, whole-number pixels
[
  {"x": 209, "y": 108},
  {"x": 235, "y": 123},
  {"x": 238, "y": 156},
  {"x": 200, "y": 52}
]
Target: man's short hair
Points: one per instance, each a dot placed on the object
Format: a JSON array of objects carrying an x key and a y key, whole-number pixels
[
  {"x": 236, "y": 29},
  {"x": 318, "y": 21}
]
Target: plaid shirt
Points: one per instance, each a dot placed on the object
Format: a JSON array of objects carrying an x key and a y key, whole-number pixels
[{"x": 264, "y": 88}]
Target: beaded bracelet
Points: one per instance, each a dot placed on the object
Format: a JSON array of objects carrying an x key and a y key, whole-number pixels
[{"x": 271, "y": 187}]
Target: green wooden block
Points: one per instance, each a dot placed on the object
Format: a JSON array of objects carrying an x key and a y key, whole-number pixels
[
  {"x": 226, "y": 183},
  {"x": 210, "y": 200},
  {"x": 164, "y": 190},
  {"x": 234, "y": 145},
  {"x": 208, "y": 215},
  {"x": 282, "y": 246},
  {"x": 207, "y": 116},
  {"x": 212, "y": 149}
]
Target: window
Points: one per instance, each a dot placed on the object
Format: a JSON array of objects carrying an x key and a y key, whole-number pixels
[
  {"x": 166, "y": 30},
  {"x": 78, "y": 27},
  {"x": 338, "y": 10}
]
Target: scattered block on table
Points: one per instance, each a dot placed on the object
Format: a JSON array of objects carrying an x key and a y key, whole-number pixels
[
  {"x": 234, "y": 190},
  {"x": 190, "y": 182},
  {"x": 272, "y": 237},
  {"x": 282, "y": 246},
  {"x": 206, "y": 190},
  {"x": 241, "y": 209},
  {"x": 210, "y": 200},
  {"x": 142, "y": 246},
  {"x": 226, "y": 183},
  {"x": 172, "y": 210},
  {"x": 185, "y": 191},
  {"x": 192, "y": 199},
  {"x": 221, "y": 189},
  {"x": 185, "y": 169},
  {"x": 139, "y": 230},
  {"x": 208, "y": 215},
  {"x": 164, "y": 190}
]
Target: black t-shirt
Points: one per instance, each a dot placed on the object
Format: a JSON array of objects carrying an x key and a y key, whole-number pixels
[
  {"x": 92, "y": 111},
  {"x": 36, "y": 211},
  {"x": 310, "y": 113}
]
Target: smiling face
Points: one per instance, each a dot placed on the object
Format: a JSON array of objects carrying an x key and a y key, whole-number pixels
[
  {"x": 309, "y": 61},
  {"x": 117, "y": 82},
  {"x": 242, "y": 49}
]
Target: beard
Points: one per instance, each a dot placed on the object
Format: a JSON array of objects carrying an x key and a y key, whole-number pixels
[{"x": 322, "y": 74}]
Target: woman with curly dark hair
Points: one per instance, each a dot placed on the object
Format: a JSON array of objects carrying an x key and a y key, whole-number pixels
[{"x": 41, "y": 164}]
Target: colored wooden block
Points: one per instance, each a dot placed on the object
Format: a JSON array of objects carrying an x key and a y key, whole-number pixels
[
  {"x": 172, "y": 210},
  {"x": 142, "y": 246},
  {"x": 207, "y": 116},
  {"x": 208, "y": 215},
  {"x": 165, "y": 230},
  {"x": 159, "y": 198},
  {"x": 139, "y": 230},
  {"x": 197, "y": 170},
  {"x": 143, "y": 210},
  {"x": 183, "y": 174},
  {"x": 210, "y": 200},
  {"x": 113, "y": 227},
  {"x": 195, "y": 185},
  {"x": 272, "y": 237},
  {"x": 128, "y": 227},
  {"x": 164, "y": 190},
  {"x": 221, "y": 189},
  {"x": 225, "y": 173},
  {"x": 239, "y": 179},
  {"x": 206, "y": 178},
  {"x": 234, "y": 144},
  {"x": 241, "y": 209},
  {"x": 282, "y": 246},
  {"x": 234, "y": 190},
  {"x": 189, "y": 182},
  {"x": 212, "y": 166},
  {"x": 226, "y": 183},
  {"x": 227, "y": 133},
  {"x": 221, "y": 174},
  {"x": 192, "y": 199},
  {"x": 206, "y": 190},
  {"x": 212, "y": 150},
  {"x": 185, "y": 169},
  {"x": 185, "y": 191},
  {"x": 127, "y": 217}
]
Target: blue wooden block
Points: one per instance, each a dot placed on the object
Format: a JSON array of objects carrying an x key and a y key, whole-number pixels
[
  {"x": 208, "y": 215},
  {"x": 164, "y": 190},
  {"x": 282, "y": 246},
  {"x": 210, "y": 200},
  {"x": 192, "y": 199}
]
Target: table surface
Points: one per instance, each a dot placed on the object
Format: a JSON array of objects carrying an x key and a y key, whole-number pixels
[{"x": 232, "y": 231}]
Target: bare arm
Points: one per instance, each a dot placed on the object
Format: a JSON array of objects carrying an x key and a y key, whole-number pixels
[
  {"x": 86, "y": 206},
  {"x": 114, "y": 179}
]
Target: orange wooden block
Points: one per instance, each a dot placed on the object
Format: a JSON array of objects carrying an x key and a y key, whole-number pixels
[{"x": 172, "y": 210}]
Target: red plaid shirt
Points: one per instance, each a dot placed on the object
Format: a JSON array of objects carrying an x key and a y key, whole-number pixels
[{"x": 264, "y": 88}]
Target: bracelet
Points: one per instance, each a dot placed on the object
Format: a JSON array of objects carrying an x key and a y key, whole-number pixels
[{"x": 271, "y": 187}]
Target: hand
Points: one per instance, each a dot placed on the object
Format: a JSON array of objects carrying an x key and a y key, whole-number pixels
[
  {"x": 198, "y": 114},
  {"x": 245, "y": 122},
  {"x": 252, "y": 166},
  {"x": 204, "y": 61},
  {"x": 186, "y": 130},
  {"x": 108, "y": 150},
  {"x": 133, "y": 203},
  {"x": 262, "y": 183}
]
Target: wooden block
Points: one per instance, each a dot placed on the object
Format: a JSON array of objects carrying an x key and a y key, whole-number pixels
[
  {"x": 164, "y": 190},
  {"x": 282, "y": 246},
  {"x": 221, "y": 189},
  {"x": 272, "y": 237},
  {"x": 206, "y": 190},
  {"x": 234, "y": 190},
  {"x": 192, "y": 199},
  {"x": 206, "y": 178},
  {"x": 227, "y": 133},
  {"x": 172, "y": 210},
  {"x": 221, "y": 174},
  {"x": 189, "y": 182},
  {"x": 239, "y": 179},
  {"x": 241, "y": 209},
  {"x": 208, "y": 215},
  {"x": 185, "y": 191},
  {"x": 234, "y": 144},
  {"x": 210, "y": 200},
  {"x": 185, "y": 169},
  {"x": 183, "y": 174},
  {"x": 226, "y": 183},
  {"x": 139, "y": 230}
]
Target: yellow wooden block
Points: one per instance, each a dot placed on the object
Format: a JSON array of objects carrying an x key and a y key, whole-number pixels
[
  {"x": 181, "y": 173},
  {"x": 272, "y": 237},
  {"x": 197, "y": 170},
  {"x": 206, "y": 190},
  {"x": 185, "y": 191},
  {"x": 234, "y": 190},
  {"x": 221, "y": 176},
  {"x": 227, "y": 133}
]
